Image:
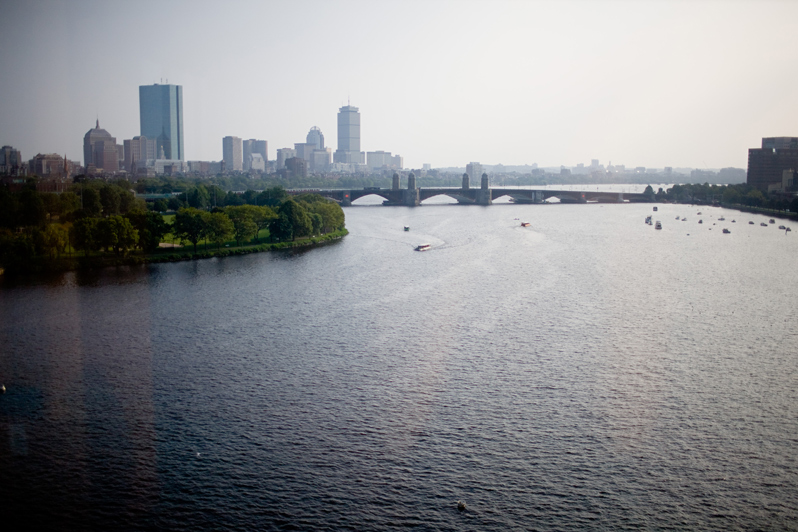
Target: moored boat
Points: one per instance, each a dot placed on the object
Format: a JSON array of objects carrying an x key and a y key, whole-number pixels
[
  {"x": 726, "y": 231},
  {"x": 525, "y": 224},
  {"x": 763, "y": 224},
  {"x": 423, "y": 247}
]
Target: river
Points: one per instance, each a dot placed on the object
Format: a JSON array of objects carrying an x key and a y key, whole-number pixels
[{"x": 585, "y": 372}]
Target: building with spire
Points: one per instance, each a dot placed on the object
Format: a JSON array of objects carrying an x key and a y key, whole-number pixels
[
  {"x": 100, "y": 150},
  {"x": 161, "y": 117}
]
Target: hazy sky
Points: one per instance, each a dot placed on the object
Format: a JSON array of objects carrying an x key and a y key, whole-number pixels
[{"x": 641, "y": 83}]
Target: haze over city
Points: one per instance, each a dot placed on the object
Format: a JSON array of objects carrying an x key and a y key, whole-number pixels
[{"x": 689, "y": 84}]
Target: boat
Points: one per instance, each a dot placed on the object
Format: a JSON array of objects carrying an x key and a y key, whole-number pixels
[
  {"x": 698, "y": 213},
  {"x": 763, "y": 224},
  {"x": 648, "y": 220},
  {"x": 750, "y": 223},
  {"x": 788, "y": 229},
  {"x": 423, "y": 247},
  {"x": 525, "y": 224},
  {"x": 721, "y": 219},
  {"x": 684, "y": 219},
  {"x": 407, "y": 228},
  {"x": 658, "y": 225},
  {"x": 782, "y": 227},
  {"x": 677, "y": 217},
  {"x": 726, "y": 231},
  {"x": 700, "y": 221},
  {"x": 772, "y": 221},
  {"x": 655, "y": 209},
  {"x": 734, "y": 221}
]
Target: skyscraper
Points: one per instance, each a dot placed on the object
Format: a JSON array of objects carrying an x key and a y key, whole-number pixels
[
  {"x": 161, "y": 113},
  {"x": 254, "y": 147},
  {"x": 233, "y": 153},
  {"x": 100, "y": 150},
  {"x": 349, "y": 137},
  {"x": 315, "y": 137}
]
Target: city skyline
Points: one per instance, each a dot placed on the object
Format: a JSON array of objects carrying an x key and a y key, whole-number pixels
[{"x": 650, "y": 84}]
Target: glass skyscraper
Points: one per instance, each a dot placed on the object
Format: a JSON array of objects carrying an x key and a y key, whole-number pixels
[{"x": 161, "y": 113}]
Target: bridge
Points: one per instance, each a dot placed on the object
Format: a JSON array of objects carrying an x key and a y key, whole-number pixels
[{"x": 412, "y": 196}]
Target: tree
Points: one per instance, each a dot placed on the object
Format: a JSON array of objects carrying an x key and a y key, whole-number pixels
[
  {"x": 160, "y": 205},
  {"x": 243, "y": 218},
  {"x": 92, "y": 206},
  {"x": 55, "y": 239},
  {"x": 220, "y": 228},
  {"x": 116, "y": 233},
  {"x": 189, "y": 225},
  {"x": 127, "y": 201},
  {"x": 70, "y": 202},
  {"x": 272, "y": 197},
  {"x": 151, "y": 228},
  {"x": 84, "y": 234},
  {"x": 292, "y": 221},
  {"x": 110, "y": 200},
  {"x": 332, "y": 215},
  {"x": 198, "y": 197},
  {"x": 263, "y": 216},
  {"x": 31, "y": 208},
  {"x": 174, "y": 204}
]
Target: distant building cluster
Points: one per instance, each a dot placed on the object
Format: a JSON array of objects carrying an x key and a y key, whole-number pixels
[{"x": 159, "y": 149}]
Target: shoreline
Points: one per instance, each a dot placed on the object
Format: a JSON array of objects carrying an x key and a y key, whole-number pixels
[{"x": 65, "y": 264}]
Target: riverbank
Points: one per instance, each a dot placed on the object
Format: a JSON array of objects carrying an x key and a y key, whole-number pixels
[{"x": 62, "y": 264}]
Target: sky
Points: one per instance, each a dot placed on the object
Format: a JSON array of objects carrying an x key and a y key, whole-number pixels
[{"x": 642, "y": 83}]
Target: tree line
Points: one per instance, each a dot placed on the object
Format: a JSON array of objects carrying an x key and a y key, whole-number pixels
[{"x": 99, "y": 217}]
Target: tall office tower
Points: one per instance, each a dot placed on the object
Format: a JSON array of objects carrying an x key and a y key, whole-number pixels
[
  {"x": 161, "y": 114},
  {"x": 474, "y": 171},
  {"x": 10, "y": 160},
  {"x": 253, "y": 147},
  {"x": 349, "y": 137},
  {"x": 99, "y": 150},
  {"x": 233, "y": 154},
  {"x": 316, "y": 138}
]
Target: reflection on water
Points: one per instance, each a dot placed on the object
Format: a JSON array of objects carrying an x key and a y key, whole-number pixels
[{"x": 584, "y": 372}]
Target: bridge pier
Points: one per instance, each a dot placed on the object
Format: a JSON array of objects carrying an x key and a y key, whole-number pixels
[
  {"x": 484, "y": 196},
  {"x": 411, "y": 197}
]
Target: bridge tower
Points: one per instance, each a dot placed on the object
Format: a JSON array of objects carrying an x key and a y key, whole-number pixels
[
  {"x": 483, "y": 194},
  {"x": 466, "y": 184},
  {"x": 411, "y": 195},
  {"x": 395, "y": 182}
]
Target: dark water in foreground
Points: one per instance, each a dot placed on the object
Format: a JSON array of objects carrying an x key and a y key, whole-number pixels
[{"x": 587, "y": 372}]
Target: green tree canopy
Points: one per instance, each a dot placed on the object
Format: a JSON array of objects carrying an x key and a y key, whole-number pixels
[
  {"x": 220, "y": 228},
  {"x": 190, "y": 226}
]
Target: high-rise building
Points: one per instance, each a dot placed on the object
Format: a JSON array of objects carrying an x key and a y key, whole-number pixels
[
  {"x": 233, "y": 154},
  {"x": 283, "y": 154},
  {"x": 138, "y": 150},
  {"x": 474, "y": 171},
  {"x": 376, "y": 160},
  {"x": 10, "y": 160},
  {"x": 161, "y": 114},
  {"x": 100, "y": 150},
  {"x": 253, "y": 147},
  {"x": 316, "y": 138},
  {"x": 766, "y": 165},
  {"x": 349, "y": 137}
]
